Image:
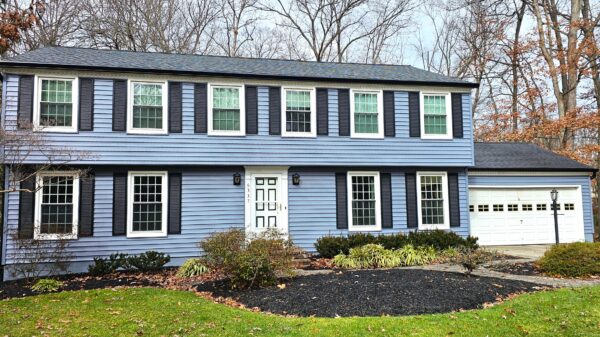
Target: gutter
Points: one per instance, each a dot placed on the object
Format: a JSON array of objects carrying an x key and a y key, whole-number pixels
[{"x": 8, "y": 65}]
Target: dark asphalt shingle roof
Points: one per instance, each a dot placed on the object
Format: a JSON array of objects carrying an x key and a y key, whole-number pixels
[
  {"x": 85, "y": 58},
  {"x": 524, "y": 157}
]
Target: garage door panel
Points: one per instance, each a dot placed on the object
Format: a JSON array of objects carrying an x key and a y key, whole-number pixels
[{"x": 520, "y": 220}]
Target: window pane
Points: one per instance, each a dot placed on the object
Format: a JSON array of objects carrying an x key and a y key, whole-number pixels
[
  {"x": 57, "y": 205},
  {"x": 297, "y": 111},
  {"x": 363, "y": 201},
  {"x": 56, "y": 103},
  {"x": 432, "y": 200},
  {"x": 226, "y": 109},
  {"x": 147, "y": 106},
  {"x": 147, "y": 203},
  {"x": 365, "y": 113},
  {"x": 434, "y": 110}
]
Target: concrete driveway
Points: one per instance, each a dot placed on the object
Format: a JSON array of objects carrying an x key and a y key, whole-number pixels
[{"x": 532, "y": 252}]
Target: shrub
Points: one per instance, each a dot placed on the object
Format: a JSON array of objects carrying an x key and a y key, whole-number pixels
[
  {"x": 103, "y": 266},
  {"x": 148, "y": 261},
  {"x": 192, "y": 268},
  {"x": 376, "y": 256},
  {"x": 34, "y": 258},
  {"x": 471, "y": 259},
  {"x": 46, "y": 285},
  {"x": 330, "y": 246},
  {"x": 579, "y": 259},
  {"x": 249, "y": 263}
]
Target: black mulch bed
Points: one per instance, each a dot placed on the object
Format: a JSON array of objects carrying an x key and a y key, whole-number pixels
[
  {"x": 524, "y": 268},
  {"x": 375, "y": 293},
  {"x": 21, "y": 288}
]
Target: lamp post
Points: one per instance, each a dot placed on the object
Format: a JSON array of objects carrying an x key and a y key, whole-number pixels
[{"x": 554, "y": 196}]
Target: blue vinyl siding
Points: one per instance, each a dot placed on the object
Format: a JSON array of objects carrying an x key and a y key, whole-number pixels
[
  {"x": 583, "y": 181},
  {"x": 107, "y": 147},
  {"x": 210, "y": 203}
]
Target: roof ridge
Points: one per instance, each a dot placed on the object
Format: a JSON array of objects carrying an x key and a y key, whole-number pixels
[{"x": 236, "y": 57}]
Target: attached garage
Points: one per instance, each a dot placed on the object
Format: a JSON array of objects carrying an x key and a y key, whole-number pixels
[{"x": 509, "y": 196}]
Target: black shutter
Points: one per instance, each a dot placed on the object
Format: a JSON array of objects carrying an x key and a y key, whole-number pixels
[
  {"x": 25, "y": 113},
  {"x": 200, "y": 108},
  {"x": 457, "y": 116},
  {"x": 386, "y": 200},
  {"x": 119, "y": 203},
  {"x": 411, "y": 200},
  {"x": 86, "y": 205},
  {"x": 341, "y": 201},
  {"x": 26, "y": 207},
  {"x": 174, "y": 219},
  {"x": 86, "y": 104},
  {"x": 274, "y": 110},
  {"x": 251, "y": 110},
  {"x": 454, "y": 199},
  {"x": 322, "y": 112},
  {"x": 344, "y": 111},
  {"x": 389, "y": 114},
  {"x": 414, "y": 115},
  {"x": 175, "y": 98},
  {"x": 119, "y": 105}
]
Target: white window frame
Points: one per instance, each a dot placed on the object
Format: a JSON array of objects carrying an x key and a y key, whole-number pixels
[
  {"x": 448, "y": 134},
  {"x": 380, "y": 126},
  {"x": 165, "y": 109},
  {"x": 165, "y": 204},
  {"x": 242, "y": 131},
  {"x": 377, "y": 182},
  {"x": 313, "y": 113},
  {"x": 446, "y": 224},
  {"x": 38, "y": 206},
  {"x": 37, "y": 89}
]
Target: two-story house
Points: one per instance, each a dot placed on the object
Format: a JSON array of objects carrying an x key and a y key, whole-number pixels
[{"x": 180, "y": 146}]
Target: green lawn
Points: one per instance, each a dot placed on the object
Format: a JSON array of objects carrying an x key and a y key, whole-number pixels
[{"x": 155, "y": 312}]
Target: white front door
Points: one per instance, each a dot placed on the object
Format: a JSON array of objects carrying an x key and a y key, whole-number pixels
[
  {"x": 266, "y": 199},
  {"x": 509, "y": 216}
]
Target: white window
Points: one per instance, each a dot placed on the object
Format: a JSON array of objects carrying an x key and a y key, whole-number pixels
[
  {"x": 226, "y": 110},
  {"x": 569, "y": 207},
  {"x": 298, "y": 112},
  {"x": 56, "y": 205},
  {"x": 483, "y": 208},
  {"x": 541, "y": 207},
  {"x": 55, "y": 104},
  {"x": 147, "y": 204},
  {"x": 364, "y": 205},
  {"x": 147, "y": 106},
  {"x": 436, "y": 116},
  {"x": 432, "y": 195},
  {"x": 366, "y": 114}
]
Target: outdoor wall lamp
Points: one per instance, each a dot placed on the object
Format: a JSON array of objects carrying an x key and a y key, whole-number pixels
[
  {"x": 237, "y": 178},
  {"x": 296, "y": 179}
]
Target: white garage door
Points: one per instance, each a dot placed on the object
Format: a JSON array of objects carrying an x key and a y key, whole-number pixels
[{"x": 512, "y": 216}]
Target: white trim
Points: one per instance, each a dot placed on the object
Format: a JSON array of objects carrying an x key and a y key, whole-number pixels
[
  {"x": 38, "y": 206},
  {"x": 165, "y": 109},
  {"x": 446, "y": 224},
  {"x": 266, "y": 171},
  {"x": 448, "y": 134},
  {"x": 524, "y": 186},
  {"x": 165, "y": 203},
  {"x": 357, "y": 228},
  {"x": 380, "y": 126},
  {"x": 242, "y": 130},
  {"x": 313, "y": 113},
  {"x": 534, "y": 173},
  {"x": 278, "y": 82},
  {"x": 37, "y": 93}
]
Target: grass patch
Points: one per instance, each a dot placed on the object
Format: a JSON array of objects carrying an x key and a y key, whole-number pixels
[{"x": 156, "y": 312}]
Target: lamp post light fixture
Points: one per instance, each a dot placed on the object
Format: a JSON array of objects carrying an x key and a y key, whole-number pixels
[{"x": 554, "y": 197}]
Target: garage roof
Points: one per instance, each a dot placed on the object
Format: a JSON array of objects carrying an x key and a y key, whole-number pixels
[
  {"x": 117, "y": 60},
  {"x": 522, "y": 157}
]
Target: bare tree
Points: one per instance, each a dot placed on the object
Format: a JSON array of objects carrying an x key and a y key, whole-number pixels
[
  {"x": 390, "y": 18},
  {"x": 58, "y": 24},
  {"x": 237, "y": 25}
]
